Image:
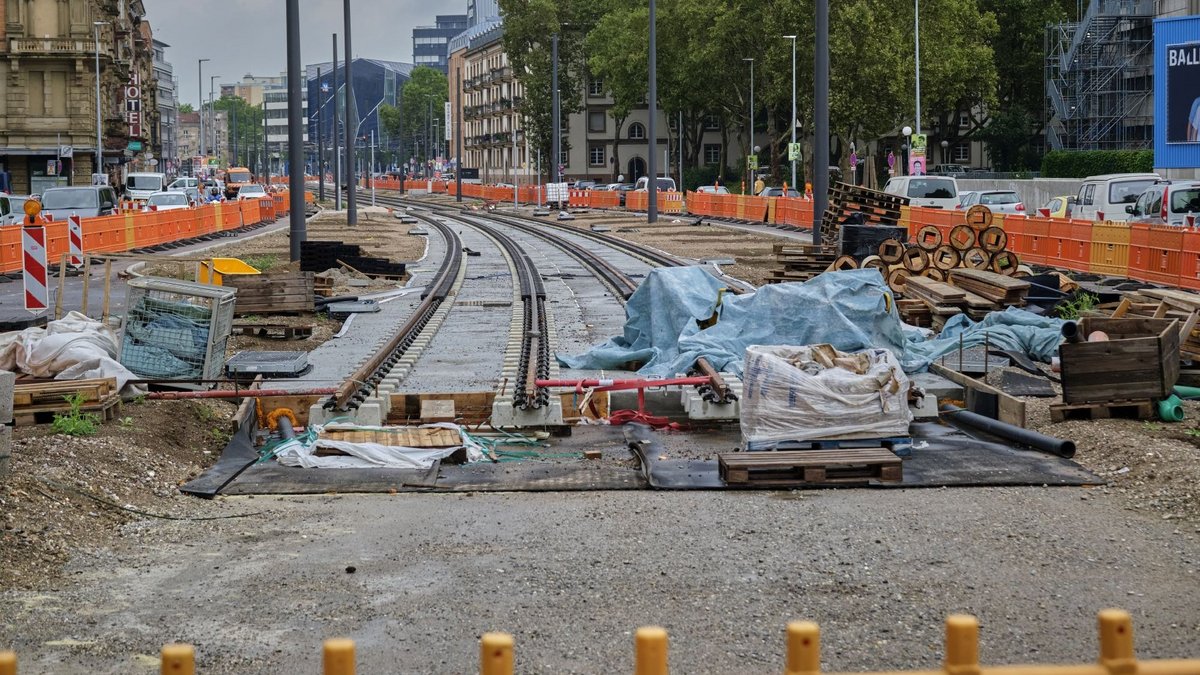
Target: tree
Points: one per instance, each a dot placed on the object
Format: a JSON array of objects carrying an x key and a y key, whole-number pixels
[
  {"x": 245, "y": 128},
  {"x": 186, "y": 108},
  {"x": 422, "y": 99},
  {"x": 618, "y": 49}
]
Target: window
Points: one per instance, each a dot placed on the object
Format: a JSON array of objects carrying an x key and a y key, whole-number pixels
[
  {"x": 964, "y": 119},
  {"x": 637, "y": 131},
  {"x": 932, "y": 188},
  {"x": 712, "y": 123},
  {"x": 1086, "y": 194},
  {"x": 564, "y": 154},
  {"x": 712, "y": 153},
  {"x": 596, "y": 120},
  {"x": 596, "y": 155},
  {"x": 1126, "y": 192},
  {"x": 596, "y": 87},
  {"x": 962, "y": 152}
]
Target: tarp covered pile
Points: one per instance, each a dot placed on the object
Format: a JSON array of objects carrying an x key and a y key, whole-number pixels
[
  {"x": 72, "y": 348},
  {"x": 852, "y": 311}
]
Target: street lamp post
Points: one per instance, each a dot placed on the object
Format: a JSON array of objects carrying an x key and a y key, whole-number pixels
[
  {"x": 907, "y": 146},
  {"x": 200, "y": 100},
  {"x": 297, "y": 228},
  {"x": 556, "y": 116},
  {"x": 652, "y": 180},
  {"x": 820, "y": 119},
  {"x": 793, "y": 123},
  {"x": 213, "y": 111},
  {"x": 750, "y": 124},
  {"x": 351, "y": 177},
  {"x": 99, "y": 168},
  {"x": 917, "y": 49}
]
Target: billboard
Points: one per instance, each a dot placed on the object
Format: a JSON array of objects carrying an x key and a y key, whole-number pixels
[{"x": 1183, "y": 93}]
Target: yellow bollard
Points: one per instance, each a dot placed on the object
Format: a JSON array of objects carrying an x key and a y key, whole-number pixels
[
  {"x": 178, "y": 660},
  {"x": 339, "y": 656},
  {"x": 1116, "y": 642},
  {"x": 803, "y": 648},
  {"x": 962, "y": 645},
  {"x": 496, "y": 654},
  {"x": 650, "y": 644},
  {"x": 8, "y": 663}
]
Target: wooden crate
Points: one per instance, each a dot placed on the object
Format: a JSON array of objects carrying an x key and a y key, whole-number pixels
[
  {"x": 1133, "y": 410},
  {"x": 1140, "y": 361},
  {"x": 801, "y": 467},
  {"x": 290, "y": 292}
]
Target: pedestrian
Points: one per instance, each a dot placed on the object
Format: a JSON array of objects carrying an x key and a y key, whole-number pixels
[{"x": 759, "y": 185}]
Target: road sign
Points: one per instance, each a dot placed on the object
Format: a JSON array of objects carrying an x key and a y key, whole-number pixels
[
  {"x": 135, "y": 146},
  {"x": 752, "y": 162},
  {"x": 66, "y": 151},
  {"x": 793, "y": 152},
  {"x": 33, "y": 266},
  {"x": 919, "y": 141},
  {"x": 75, "y": 237}
]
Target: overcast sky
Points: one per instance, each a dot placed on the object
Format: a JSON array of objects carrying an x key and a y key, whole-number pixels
[{"x": 249, "y": 36}]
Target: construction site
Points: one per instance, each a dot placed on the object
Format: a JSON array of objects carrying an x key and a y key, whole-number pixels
[{"x": 467, "y": 433}]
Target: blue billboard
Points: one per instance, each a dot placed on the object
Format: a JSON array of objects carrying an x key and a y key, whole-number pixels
[{"x": 1177, "y": 93}]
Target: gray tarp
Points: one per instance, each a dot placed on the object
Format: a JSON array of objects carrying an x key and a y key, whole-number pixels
[{"x": 850, "y": 310}]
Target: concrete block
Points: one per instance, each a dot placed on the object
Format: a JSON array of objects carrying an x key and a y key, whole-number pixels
[
  {"x": 369, "y": 414},
  {"x": 699, "y": 409},
  {"x": 926, "y": 409},
  {"x": 937, "y": 386},
  {"x": 7, "y": 381}
]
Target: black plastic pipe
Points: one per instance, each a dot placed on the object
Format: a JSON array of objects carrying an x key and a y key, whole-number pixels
[
  {"x": 1054, "y": 446},
  {"x": 1070, "y": 330},
  {"x": 321, "y": 302}
]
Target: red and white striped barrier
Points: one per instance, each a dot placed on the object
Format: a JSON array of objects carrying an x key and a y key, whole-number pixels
[
  {"x": 75, "y": 237},
  {"x": 33, "y": 256}
]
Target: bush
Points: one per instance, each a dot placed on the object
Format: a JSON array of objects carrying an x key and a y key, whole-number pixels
[{"x": 1084, "y": 163}]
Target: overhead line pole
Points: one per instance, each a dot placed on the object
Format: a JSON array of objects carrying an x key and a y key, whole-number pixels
[
  {"x": 351, "y": 127},
  {"x": 297, "y": 228},
  {"x": 652, "y": 163},
  {"x": 821, "y": 121}
]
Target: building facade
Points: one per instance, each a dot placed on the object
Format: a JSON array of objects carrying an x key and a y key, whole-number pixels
[
  {"x": 168, "y": 110},
  {"x": 48, "y": 84},
  {"x": 252, "y": 88},
  {"x": 275, "y": 101},
  {"x": 481, "y": 11},
  {"x": 430, "y": 43},
  {"x": 376, "y": 83}
]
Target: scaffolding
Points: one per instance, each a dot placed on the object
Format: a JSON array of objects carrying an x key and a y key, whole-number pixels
[{"x": 1100, "y": 78}]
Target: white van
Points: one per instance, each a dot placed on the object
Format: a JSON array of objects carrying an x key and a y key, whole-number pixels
[
  {"x": 139, "y": 186},
  {"x": 664, "y": 184},
  {"x": 935, "y": 192},
  {"x": 1105, "y": 197}
]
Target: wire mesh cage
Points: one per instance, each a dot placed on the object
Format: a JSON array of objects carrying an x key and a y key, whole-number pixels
[{"x": 176, "y": 330}]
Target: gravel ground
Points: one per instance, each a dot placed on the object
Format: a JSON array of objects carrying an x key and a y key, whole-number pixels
[{"x": 415, "y": 579}]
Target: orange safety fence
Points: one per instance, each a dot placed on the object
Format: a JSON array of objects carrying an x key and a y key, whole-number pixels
[
  {"x": 603, "y": 199},
  {"x": 793, "y": 211}
]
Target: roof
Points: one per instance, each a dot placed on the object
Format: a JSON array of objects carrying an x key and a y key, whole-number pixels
[
  {"x": 1108, "y": 176},
  {"x": 397, "y": 67},
  {"x": 482, "y": 33}
]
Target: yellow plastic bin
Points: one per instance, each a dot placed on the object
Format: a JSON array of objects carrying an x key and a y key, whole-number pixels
[{"x": 213, "y": 272}]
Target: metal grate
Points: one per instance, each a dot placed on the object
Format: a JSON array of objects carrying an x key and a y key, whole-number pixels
[{"x": 176, "y": 330}]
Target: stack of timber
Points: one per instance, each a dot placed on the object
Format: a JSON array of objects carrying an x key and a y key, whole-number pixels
[
  {"x": 279, "y": 293},
  {"x": 39, "y": 402},
  {"x": 942, "y": 299},
  {"x": 1166, "y": 303},
  {"x": 800, "y": 262},
  {"x": 858, "y": 204},
  {"x": 323, "y": 286},
  {"x": 915, "y": 313},
  {"x": 997, "y": 288},
  {"x": 318, "y": 256}
]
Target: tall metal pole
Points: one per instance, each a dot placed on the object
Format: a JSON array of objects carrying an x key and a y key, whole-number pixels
[
  {"x": 680, "y": 140},
  {"x": 298, "y": 230},
  {"x": 821, "y": 121},
  {"x": 458, "y": 135},
  {"x": 793, "y": 122},
  {"x": 917, "y": 39},
  {"x": 320, "y": 143},
  {"x": 200, "y": 101},
  {"x": 99, "y": 168},
  {"x": 337, "y": 151},
  {"x": 652, "y": 180},
  {"x": 555, "y": 113},
  {"x": 749, "y": 179},
  {"x": 212, "y": 106},
  {"x": 371, "y": 171},
  {"x": 351, "y": 126}
]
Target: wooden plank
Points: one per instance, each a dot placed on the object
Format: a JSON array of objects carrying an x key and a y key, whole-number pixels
[
  {"x": 437, "y": 411},
  {"x": 408, "y": 437},
  {"x": 1011, "y": 410},
  {"x": 783, "y": 468},
  {"x": 939, "y": 293}
]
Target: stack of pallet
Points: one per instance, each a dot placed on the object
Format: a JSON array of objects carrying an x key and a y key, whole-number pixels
[
  {"x": 973, "y": 292},
  {"x": 848, "y": 202},
  {"x": 275, "y": 293},
  {"x": 1166, "y": 303},
  {"x": 800, "y": 262},
  {"x": 318, "y": 256},
  {"x": 39, "y": 402}
]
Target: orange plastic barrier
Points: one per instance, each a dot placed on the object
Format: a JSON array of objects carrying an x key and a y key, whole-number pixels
[
  {"x": 1156, "y": 253},
  {"x": 637, "y": 201},
  {"x": 603, "y": 199},
  {"x": 793, "y": 211}
]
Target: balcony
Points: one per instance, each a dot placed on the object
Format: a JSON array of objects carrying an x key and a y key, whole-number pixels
[
  {"x": 72, "y": 47},
  {"x": 502, "y": 74}
]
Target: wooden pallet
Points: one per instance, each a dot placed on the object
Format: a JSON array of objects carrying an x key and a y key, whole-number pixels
[
  {"x": 273, "y": 330},
  {"x": 107, "y": 409},
  {"x": 282, "y": 293},
  {"x": 53, "y": 392},
  {"x": 809, "y": 467},
  {"x": 1133, "y": 410},
  {"x": 408, "y": 437}
]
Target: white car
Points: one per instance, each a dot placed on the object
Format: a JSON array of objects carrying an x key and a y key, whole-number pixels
[
  {"x": 712, "y": 190},
  {"x": 168, "y": 201},
  {"x": 252, "y": 191}
]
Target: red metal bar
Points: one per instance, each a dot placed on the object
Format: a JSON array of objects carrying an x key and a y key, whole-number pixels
[
  {"x": 635, "y": 383},
  {"x": 242, "y": 393}
]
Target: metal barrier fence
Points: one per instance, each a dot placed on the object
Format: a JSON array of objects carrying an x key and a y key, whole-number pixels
[{"x": 497, "y": 657}]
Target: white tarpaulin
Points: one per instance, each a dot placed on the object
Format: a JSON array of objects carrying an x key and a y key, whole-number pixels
[
  {"x": 817, "y": 392},
  {"x": 72, "y": 348},
  {"x": 302, "y": 451}
]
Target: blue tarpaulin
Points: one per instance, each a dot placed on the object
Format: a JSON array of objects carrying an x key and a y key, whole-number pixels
[{"x": 850, "y": 310}]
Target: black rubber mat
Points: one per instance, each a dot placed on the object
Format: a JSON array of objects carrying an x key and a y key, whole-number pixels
[
  {"x": 941, "y": 457},
  {"x": 1020, "y": 384},
  {"x": 538, "y": 475}
]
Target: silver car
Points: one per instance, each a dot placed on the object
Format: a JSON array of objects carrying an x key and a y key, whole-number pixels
[
  {"x": 1168, "y": 202},
  {"x": 12, "y": 209},
  {"x": 999, "y": 201}
]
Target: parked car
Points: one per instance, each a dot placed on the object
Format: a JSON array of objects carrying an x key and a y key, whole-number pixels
[
  {"x": 957, "y": 170},
  {"x": 621, "y": 189},
  {"x": 172, "y": 200},
  {"x": 184, "y": 182},
  {"x": 999, "y": 201},
  {"x": 964, "y": 200},
  {"x": 1058, "y": 207},
  {"x": 251, "y": 191},
  {"x": 938, "y": 192},
  {"x": 584, "y": 185},
  {"x": 12, "y": 209},
  {"x": 778, "y": 192},
  {"x": 712, "y": 190},
  {"x": 236, "y": 178},
  {"x": 85, "y": 201},
  {"x": 1105, "y": 197},
  {"x": 664, "y": 184},
  {"x": 1168, "y": 202}
]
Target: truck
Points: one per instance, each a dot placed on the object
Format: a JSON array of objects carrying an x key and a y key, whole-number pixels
[
  {"x": 139, "y": 186},
  {"x": 235, "y": 178}
]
